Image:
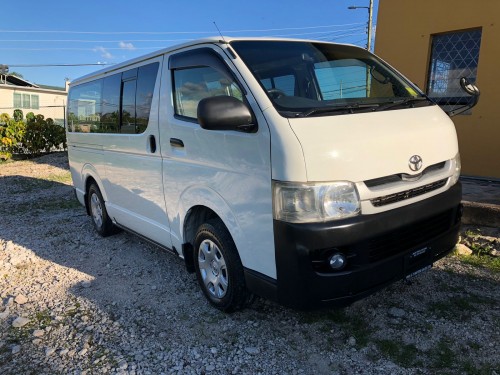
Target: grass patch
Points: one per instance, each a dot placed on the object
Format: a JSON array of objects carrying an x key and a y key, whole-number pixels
[
  {"x": 484, "y": 261},
  {"x": 470, "y": 368},
  {"x": 28, "y": 185},
  {"x": 350, "y": 324},
  {"x": 457, "y": 308},
  {"x": 442, "y": 356},
  {"x": 482, "y": 248},
  {"x": 405, "y": 355},
  {"x": 42, "y": 318},
  {"x": 19, "y": 335},
  {"x": 63, "y": 178},
  {"x": 47, "y": 205},
  {"x": 461, "y": 307}
]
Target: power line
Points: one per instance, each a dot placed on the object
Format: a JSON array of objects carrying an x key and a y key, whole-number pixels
[
  {"x": 43, "y": 65},
  {"x": 174, "y": 32},
  {"x": 158, "y": 40},
  {"x": 77, "y": 49},
  {"x": 89, "y": 41},
  {"x": 322, "y": 35}
]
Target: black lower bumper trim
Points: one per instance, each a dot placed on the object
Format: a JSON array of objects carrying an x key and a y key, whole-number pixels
[{"x": 380, "y": 249}]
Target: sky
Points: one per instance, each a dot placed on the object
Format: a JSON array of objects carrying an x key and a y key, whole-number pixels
[{"x": 108, "y": 32}]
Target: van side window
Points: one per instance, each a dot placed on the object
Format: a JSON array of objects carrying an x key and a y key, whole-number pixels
[
  {"x": 194, "y": 84},
  {"x": 119, "y": 103},
  {"x": 110, "y": 116},
  {"x": 84, "y": 107},
  {"x": 128, "y": 107},
  {"x": 144, "y": 95}
]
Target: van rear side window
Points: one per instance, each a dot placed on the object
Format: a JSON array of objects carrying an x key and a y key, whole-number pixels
[{"x": 119, "y": 103}]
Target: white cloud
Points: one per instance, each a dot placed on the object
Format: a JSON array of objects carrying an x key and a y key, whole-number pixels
[
  {"x": 104, "y": 52},
  {"x": 124, "y": 45}
]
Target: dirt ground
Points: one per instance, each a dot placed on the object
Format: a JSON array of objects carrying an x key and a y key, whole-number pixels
[{"x": 73, "y": 302}]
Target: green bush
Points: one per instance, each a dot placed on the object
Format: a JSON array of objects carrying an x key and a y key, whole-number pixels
[
  {"x": 11, "y": 138},
  {"x": 18, "y": 115},
  {"x": 32, "y": 137}
]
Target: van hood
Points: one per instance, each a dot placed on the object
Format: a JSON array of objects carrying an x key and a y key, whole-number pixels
[{"x": 358, "y": 147}]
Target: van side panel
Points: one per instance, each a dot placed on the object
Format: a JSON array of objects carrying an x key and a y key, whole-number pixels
[
  {"x": 119, "y": 146},
  {"x": 133, "y": 174}
]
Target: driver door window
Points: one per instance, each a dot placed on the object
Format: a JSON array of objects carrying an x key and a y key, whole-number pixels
[{"x": 194, "y": 84}]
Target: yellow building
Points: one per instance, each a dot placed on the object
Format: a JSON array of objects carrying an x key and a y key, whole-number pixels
[{"x": 434, "y": 43}]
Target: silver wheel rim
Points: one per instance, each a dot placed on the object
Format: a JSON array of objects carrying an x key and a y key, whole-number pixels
[
  {"x": 213, "y": 269},
  {"x": 96, "y": 208}
]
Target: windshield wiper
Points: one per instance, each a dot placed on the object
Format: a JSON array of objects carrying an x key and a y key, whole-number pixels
[
  {"x": 411, "y": 100},
  {"x": 338, "y": 108}
]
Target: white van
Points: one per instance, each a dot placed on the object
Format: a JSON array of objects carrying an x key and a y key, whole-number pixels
[{"x": 306, "y": 172}]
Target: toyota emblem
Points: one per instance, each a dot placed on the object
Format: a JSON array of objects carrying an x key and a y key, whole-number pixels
[{"x": 415, "y": 163}]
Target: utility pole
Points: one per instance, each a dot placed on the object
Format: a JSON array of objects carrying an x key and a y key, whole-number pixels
[{"x": 370, "y": 21}]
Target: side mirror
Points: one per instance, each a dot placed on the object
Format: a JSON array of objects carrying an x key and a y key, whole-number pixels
[
  {"x": 470, "y": 89},
  {"x": 225, "y": 113}
]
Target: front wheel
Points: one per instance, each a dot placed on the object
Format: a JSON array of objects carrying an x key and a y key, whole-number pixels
[{"x": 218, "y": 267}]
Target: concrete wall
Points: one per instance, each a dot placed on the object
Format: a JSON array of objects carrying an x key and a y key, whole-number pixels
[
  {"x": 51, "y": 102},
  {"x": 403, "y": 38}
]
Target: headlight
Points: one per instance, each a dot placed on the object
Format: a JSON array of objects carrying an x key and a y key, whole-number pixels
[
  {"x": 315, "y": 202},
  {"x": 456, "y": 169}
]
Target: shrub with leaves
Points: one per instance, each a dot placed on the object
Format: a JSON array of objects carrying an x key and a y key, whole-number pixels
[
  {"x": 32, "y": 137},
  {"x": 18, "y": 115},
  {"x": 11, "y": 138}
]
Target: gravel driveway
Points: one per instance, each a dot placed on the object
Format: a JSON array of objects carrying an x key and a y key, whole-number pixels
[{"x": 73, "y": 302}]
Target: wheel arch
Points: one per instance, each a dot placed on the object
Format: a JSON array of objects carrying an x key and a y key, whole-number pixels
[
  {"x": 90, "y": 176},
  {"x": 197, "y": 206}
]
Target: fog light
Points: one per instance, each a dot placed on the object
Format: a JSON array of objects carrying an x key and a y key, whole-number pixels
[{"x": 337, "y": 261}]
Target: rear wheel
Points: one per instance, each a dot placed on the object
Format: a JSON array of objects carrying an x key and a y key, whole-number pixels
[
  {"x": 102, "y": 223},
  {"x": 218, "y": 267}
]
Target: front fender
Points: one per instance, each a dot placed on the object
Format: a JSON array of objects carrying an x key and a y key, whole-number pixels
[{"x": 204, "y": 196}]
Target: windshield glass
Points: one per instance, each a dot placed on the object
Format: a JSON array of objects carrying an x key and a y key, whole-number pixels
[{"x": 306, "y": 78}]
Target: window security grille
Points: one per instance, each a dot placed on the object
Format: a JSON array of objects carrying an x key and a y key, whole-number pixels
[{"x": 454, "y": 55}]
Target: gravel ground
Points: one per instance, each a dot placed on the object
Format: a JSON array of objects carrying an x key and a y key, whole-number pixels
[{"x": 75, "y": 303}]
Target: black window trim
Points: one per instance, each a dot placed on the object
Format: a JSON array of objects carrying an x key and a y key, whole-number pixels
[{"x": 199, "y": 58}]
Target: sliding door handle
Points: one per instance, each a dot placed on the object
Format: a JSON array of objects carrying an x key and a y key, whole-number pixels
[
  {"x": 152, "y": 144},
  {"x": 175, "y": 142}
]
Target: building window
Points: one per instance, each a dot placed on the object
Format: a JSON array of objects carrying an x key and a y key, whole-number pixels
[
  {"x": 454, "y": 55},
  {"x": 17, "y": 100},
  {"x": 34, "y": 102},
  {"x": 26, "y": 101}
]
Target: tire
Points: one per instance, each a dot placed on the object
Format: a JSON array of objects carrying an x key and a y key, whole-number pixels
[
  {"x": 97, "y": 208},
  {"x": 218, "y": 268}
]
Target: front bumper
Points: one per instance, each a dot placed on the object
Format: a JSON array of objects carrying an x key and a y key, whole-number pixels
[{"x": 380, "y": 249}]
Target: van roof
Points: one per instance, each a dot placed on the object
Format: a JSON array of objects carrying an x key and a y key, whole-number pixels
[{"x": 209, "y": 40}]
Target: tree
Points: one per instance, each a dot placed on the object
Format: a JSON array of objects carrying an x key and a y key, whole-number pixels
[{"x": 16, "y": 74}]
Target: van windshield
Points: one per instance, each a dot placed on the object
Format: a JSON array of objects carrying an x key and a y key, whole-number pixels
[{"x": 315, "y": 79}]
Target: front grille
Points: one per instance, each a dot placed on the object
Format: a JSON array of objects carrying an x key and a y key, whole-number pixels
[
  {"x": 407, "y": 194},
  {"x": 409, "y": 236},
  {"x": 401, "y": 176}
]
